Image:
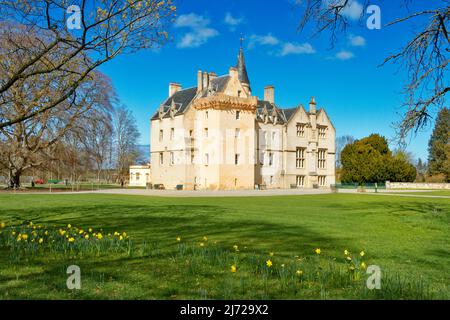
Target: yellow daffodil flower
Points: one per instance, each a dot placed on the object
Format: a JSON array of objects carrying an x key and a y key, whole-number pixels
[
  {"x": 233, "y": 268},
  {"x": 269, "y": 263},
  {"x": 317, "y": 251}
]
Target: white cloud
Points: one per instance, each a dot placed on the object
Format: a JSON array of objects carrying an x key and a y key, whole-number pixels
[
  {"x": 267, "y": 40},
  {"x": 296, "y": 48},
  {"x": 232, "y": 21},
  {"x": 344, "y": 55},
  {"x": 199, "y": 32},
  {"x": 191, "y": 20},
  {"x": 353, "y": 10},
  {"x": 357, "y": 41}
]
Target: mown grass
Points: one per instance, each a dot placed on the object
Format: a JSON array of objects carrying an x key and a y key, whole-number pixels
[{"x": 406, "y": 237}]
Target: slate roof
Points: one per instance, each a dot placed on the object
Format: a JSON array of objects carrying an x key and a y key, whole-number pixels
[
  {"x": 283, "y": 115},
  {"x": 181, "y": 98}
]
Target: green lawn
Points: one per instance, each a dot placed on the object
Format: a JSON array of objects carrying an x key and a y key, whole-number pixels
[
  {"x": 407, "y": 237},
  {"x": 445, "y": 193}
]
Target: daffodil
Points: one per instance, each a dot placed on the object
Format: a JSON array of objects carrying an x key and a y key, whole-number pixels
[
  {"x": 349, "y": 258},
  {"x": 205, "y": 238},
  {"x": 71, "y": 239},
  {"x": 282, "y": 265},
  {"x": 202, "y": 244},
  {"x": 346, "y": 252},
  {"x": 124, "y": 234},
  {"x": 90, "y": 230},
  {"x": 233, "y": 268},
  {"x": 2, "y": 225},
  {"x": 86, "y": 236},
  {"x": 317, "y": 251},
  {"x": 269, "y": 263},
  {"x": 178, "y": 239},
  {"x": 24, "y": 236},
  {"x": 41, "y": 240},
  {"x": 69, "y": 226},
  {"x": 99, "y": 236},
  {"x": 120, "y": 238},
  {"x": 299, "y": 272},
  {"x": 362, "y": 253},
  {"x": 81, "y": 231},
  {"x": 271, "y": 254},
  {"x": 363, "y": 265},
  {"x": 235, "y": 247}
]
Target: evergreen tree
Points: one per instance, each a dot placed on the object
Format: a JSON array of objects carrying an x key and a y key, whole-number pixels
[{"x": 437, "y": 157}]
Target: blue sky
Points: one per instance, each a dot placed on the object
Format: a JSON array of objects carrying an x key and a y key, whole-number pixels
[{"x": 360, "y": 96}]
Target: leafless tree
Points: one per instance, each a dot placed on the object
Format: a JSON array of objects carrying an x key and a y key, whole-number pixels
[
  {"x": 36, "y": 45},
  {"x": 126, "y": 135},
  {"x": 425, "y": 55},
  {"x": 33, "y": 142}
]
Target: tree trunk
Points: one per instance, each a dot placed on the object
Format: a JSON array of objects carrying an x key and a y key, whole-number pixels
[{"x": 14, "y": 179}]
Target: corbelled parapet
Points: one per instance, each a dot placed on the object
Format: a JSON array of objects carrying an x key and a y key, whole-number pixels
[{"x": 224, "y": 102}]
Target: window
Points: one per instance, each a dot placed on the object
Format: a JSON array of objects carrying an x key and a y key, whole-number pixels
[
  {"x": 206, "y": 132},
  {"x": 237, "y": 133},
  {"x": 206, "y": 114},
  {"x": 206, "y": 159},
  {"x": 322, "y": 132},
  {"x": 300, "y": 181},
  {"x": 147, "y": 177},
  {"x": 137, "y": 176},
  {"x": 161, "y": 158},
  {"x": 192, "y": 158},
  {"x": 236, "y": 159},
  {"x": 274, "y": 135},
  {"x": 271, "y": 179},
  {"x": 301, "y": 129},
  {"x": 270, "y": 158},
  {"x": 322, "y": 181},
  {"x": 300, "y": 157},
  {"x": 161, "y": 135},
  {"x": 191, "y": 132},
  {"x": 321, "y": 158},
  {"x": 172, "y": 158},
  {"x": 172, "y": 133},
  {"x": 238, "y": 114}
]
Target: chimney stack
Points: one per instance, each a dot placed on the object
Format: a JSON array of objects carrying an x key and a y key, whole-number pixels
[
  {"x": 312, "y": 106},
  {"x": 205, "y": 80},
  {"x": 269, "y": 94},
  {"x": 173, "y": 88},
  {"x": 212, "y": 75},
  {"x": 199, "y": 81},
  {"x": 233, "y": 73}
]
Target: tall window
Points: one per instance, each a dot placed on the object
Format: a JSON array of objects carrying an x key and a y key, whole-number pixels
[
  {"x": 322, "y": 132},
  {"x": 321, "y": 158},
  {"x": 161, "y": 158},
  {"x": 238, "y": 115},
  {"x": 172, "y": 158},
  {"x": 300, "y": 157},
  {"x": 206, "y": 159},
  {"x": 161, "y": 135},
  {"x": 191, "y": 132},
  {"x": 206, "y": 115},
  {"x": 322, "y": 181},
  {"x": 237, "y": 133},
  {"x": 206, "y": 132},
  {"x": 172, "y": 133},
  {"x": 270, "y": 158},
  {"x": 300, "y": 181},
  {"x": 236, "y": 159},
  {"x": 137, "y": 176},
  {"x": 147, "y": 177},
  {"x": 274, "y": 135},
  {"x": 301, "y": 129},
  {"x": 192, "y": 158}
]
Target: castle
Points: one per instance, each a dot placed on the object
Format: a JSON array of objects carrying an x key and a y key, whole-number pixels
[{"x": 218, "y": 136}]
